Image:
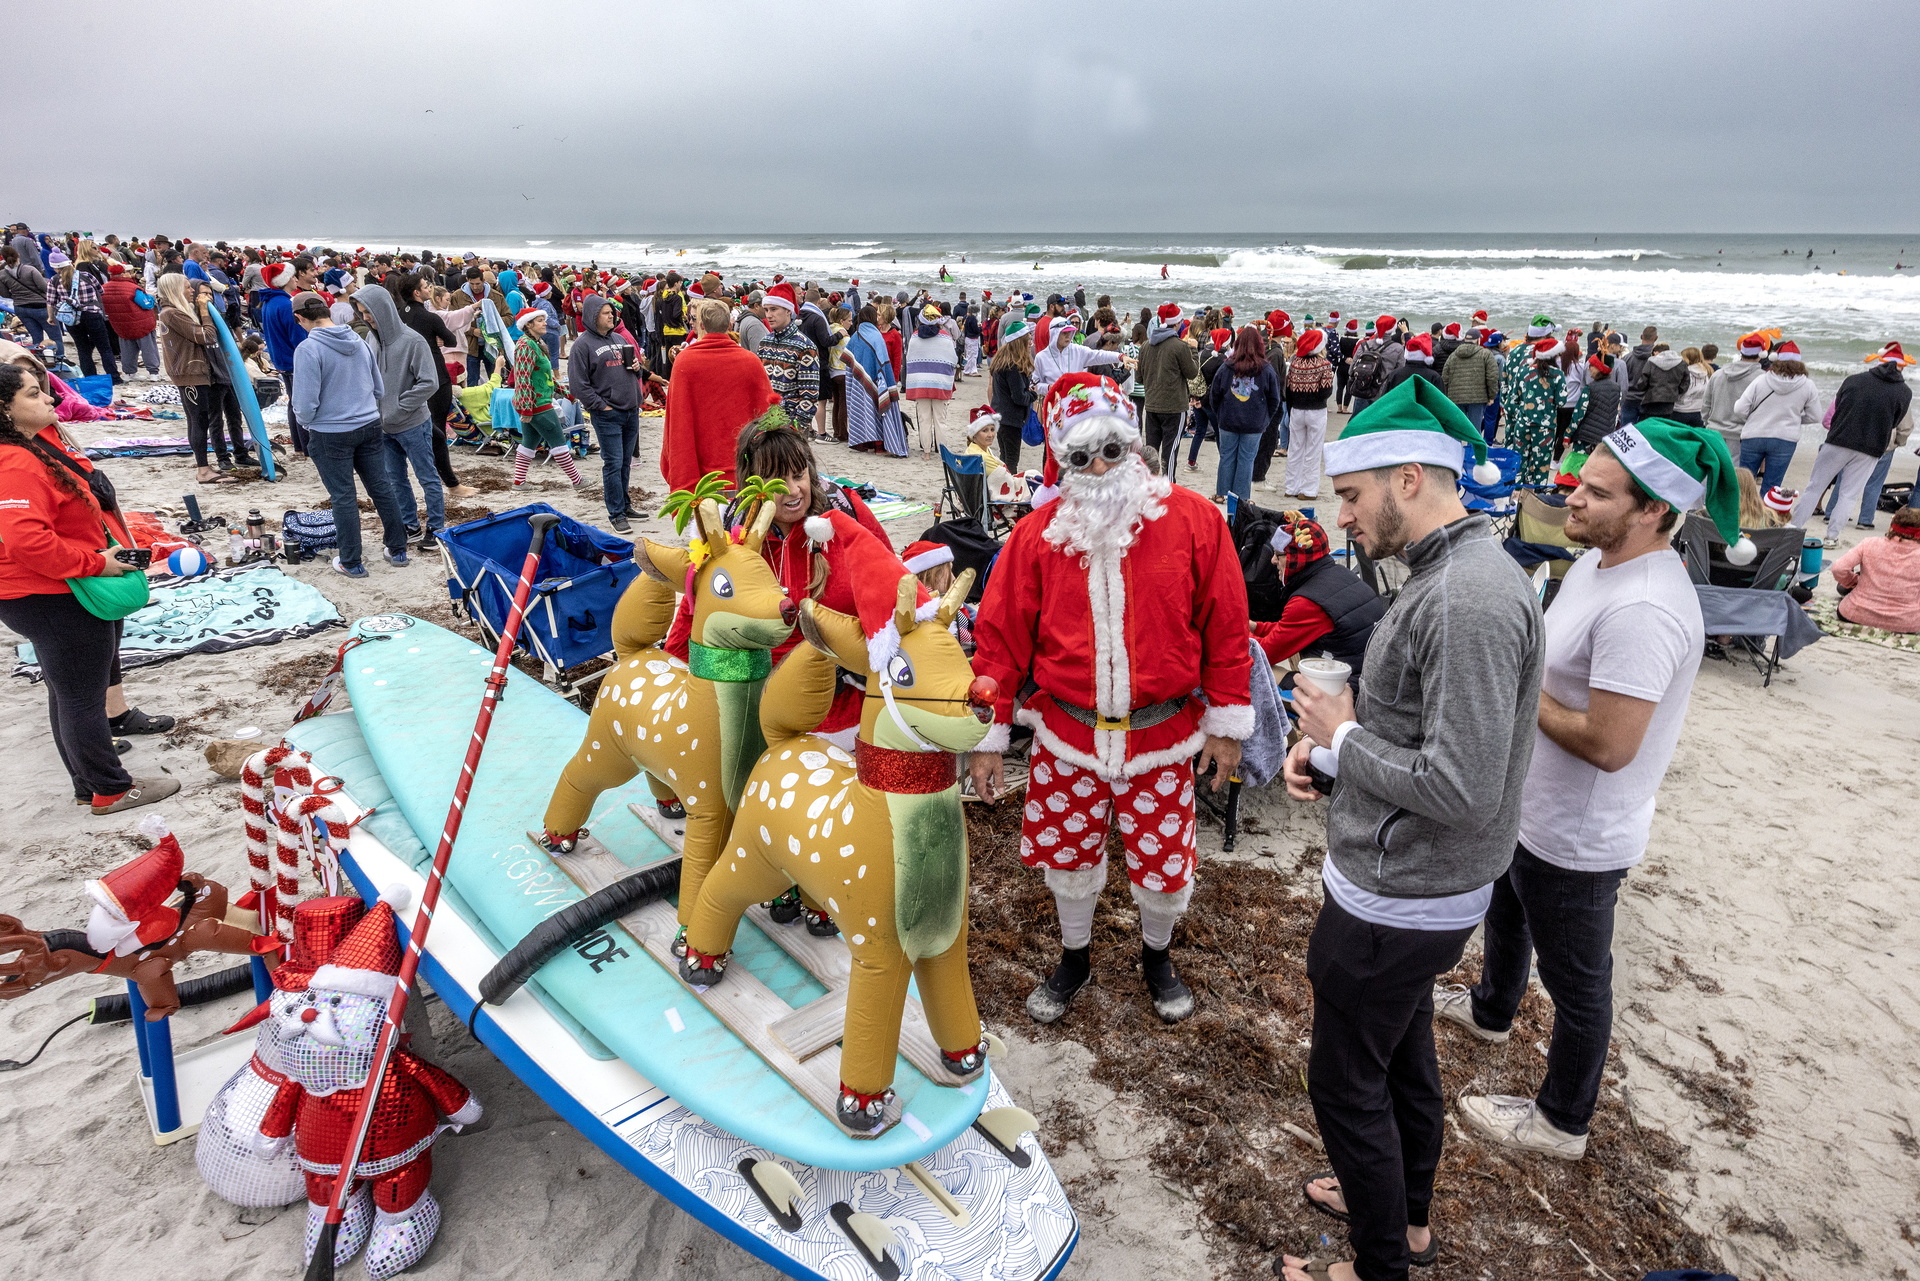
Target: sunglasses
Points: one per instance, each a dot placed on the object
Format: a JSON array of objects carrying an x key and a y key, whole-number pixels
[{"x": 1081, "y": 459}]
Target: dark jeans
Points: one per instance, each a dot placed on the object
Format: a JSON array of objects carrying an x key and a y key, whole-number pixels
[
  {"x": 1199, "y": 423},
  {"x": 39, "y": 328},
  {"x": 619, "y": 433},
  {"x": 1271, "y": 439},
  {"x": 1629, "y": 411},
  {"x": 78, "y": 654},
  {"x": 1010, "y": 440},
  {"x": 340, "y": 455},
  {"x": 92, "y": 334},
  {"x": 1162, "y": 431},
  {"x": 1373, "y": 1076},
  {"x": 439, "y": 407},
  {"x": 294, "y": 429},
  {"x": 1566, "y": 919},
  {"x": 213, "y": 417}
]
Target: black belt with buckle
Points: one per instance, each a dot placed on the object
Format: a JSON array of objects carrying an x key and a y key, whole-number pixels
[{"x": 1139, "y": 718}]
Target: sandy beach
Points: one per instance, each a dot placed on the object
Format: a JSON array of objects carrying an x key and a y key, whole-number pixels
[{"x": 1769, "y": 1016}]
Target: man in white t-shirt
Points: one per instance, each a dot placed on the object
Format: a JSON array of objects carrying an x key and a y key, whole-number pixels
[{"x": 1623, "y": 641}]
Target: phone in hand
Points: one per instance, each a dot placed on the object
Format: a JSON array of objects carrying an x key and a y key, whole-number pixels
[{"x": 138, "y": 557}]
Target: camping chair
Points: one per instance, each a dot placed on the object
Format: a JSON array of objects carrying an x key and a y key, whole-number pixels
[
  {"x": 1386, "y": 577},
  {"x": 1540, "y": 544},
  {"x": 965, "y": 492},
  {"x": 1497, "y": 500},
  {"x": 1749, "y": 602}
]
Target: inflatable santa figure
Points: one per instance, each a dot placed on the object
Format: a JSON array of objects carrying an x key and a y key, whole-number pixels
[
  {"x": 327, "y": 1036},
  {"x": 1122, "y": 601}
]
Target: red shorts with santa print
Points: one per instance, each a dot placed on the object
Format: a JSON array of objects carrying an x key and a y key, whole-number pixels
[{"x": 1068, "y": 808}]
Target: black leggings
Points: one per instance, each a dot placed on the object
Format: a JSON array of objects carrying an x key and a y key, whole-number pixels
[
  {"x": 440, "y": 405},
  {"x": 213, "y": 416},
  {"x": 79, "y": 657},
  {"x": 91, "y": 334},
  {"x": 1010, "y": 439}
]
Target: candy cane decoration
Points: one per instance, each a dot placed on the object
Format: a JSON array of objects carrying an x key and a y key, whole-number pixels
[{"x": 296, "y": 798}]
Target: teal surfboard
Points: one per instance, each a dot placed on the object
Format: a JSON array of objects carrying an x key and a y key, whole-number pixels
[
  {"x": 415, "y": 692},
  {"x": 243, "y": 388}
]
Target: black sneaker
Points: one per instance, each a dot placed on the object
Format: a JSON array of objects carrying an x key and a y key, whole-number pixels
[
  {"x": 1050, "y": 1000},
  {"x": 1172, "y": 1001},
  {"x": 429, "y": 543}
]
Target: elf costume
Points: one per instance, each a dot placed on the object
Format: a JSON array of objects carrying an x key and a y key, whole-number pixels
[
  {"x": 1687, "y": 468},
  {"x": 533, "y": 401}
]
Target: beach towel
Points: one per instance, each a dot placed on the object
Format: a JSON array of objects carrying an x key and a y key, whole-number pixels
[
  {"x": 95, "y": 389},
  {"x": 884, "y": 505},
  {"x": 1825, "y": 611},
  {"x": 225, "y": 610},
  {"x": 138, "y": 447}
]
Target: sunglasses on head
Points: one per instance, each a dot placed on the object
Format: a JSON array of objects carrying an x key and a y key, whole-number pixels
[{"x": 1081, "y": 459}]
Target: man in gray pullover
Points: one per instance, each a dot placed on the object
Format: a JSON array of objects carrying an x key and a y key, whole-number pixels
[
  {"x": 409, "y": 378},
  {"x": 1427, "y": 768}
]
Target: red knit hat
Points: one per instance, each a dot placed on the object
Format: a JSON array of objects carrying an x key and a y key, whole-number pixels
[
  {"x": 856, "y": 556},
  {"x": 130, "y": 902},
  {"x": 368, "y": 959},
  {"x": 1420, "y": 349},
  {"x": 1383, "y": 325},
  {"x": 1780, "y": 500},
  {"x": 277, "y": 274},
  {"x": 1308, "y": 343},
  {"x": 781, "y": 296},
  {"x": 925, "y": 554}
]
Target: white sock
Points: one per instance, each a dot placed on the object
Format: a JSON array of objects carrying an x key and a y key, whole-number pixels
[
  {"x": 1076, "y": 893},
  {"x": 1159, "y": 913}
]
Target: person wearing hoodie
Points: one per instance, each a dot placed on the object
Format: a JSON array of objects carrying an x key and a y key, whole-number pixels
[
  {"x": 1660, "y": 382},
  {"x": 1727, "y": 385},
  {"x": 1420, "y": 362},
  {"x": 337, "y": 394},
  {"x": 1374, "y": 362},
  {"x": 1167, "y": 367},
  {"x": 408, "y": 381},
  {"x": 602, "y": 374},
  {"x": 1771, "y": 412},
  {"x": 413, "y": 295},
  {"x": 1244, "y": 399},
  {"x": 279, "y": 282},
  {"x": 1867, "y": 411},
  {"x": 1628, "y": 371}
]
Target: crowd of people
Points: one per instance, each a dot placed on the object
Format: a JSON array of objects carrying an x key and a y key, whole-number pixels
[{"x": 1119, "y": 601}]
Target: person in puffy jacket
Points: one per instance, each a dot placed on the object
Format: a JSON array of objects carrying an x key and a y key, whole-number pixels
[
  {"x": 1471, "y": 379},
  {"x": 52, "y": 530},
  {"x": 1870, "y": 411},
  {"x": 1662, "y": 380},
  {"x": 132, "y": 323}
]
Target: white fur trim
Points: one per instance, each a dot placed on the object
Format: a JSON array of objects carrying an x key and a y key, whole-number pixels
[
  {"x": 1370, "y": 449},
  {"x": 1163, "y": 903},
  {"x": 923, "y": 612},
  {"x": 396, "y": 896},
  {"x": 1486, "y": 474},
  {"x": 1228, "y": 721},
  {"x": 467, "y": 1113},
  {"x": 1077, "y": 883},
  {"x": 1742, "y": 552},
  {"x": 153, "y": 827},
  {"x": 338, "y": 978},
  {"x": 941, "y": 555},
  {"x": 1180, "y": 751},
  {"x": 881, "y": 646},
  {"x": 996, "y": 739},
  {"x": 819, "y": 529}
]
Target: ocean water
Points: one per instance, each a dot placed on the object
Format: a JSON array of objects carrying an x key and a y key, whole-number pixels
[{"x": 1850, "y": 296}]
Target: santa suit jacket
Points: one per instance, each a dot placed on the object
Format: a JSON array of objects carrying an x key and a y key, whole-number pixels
[
  {"x": 414, "y": 1097},
  {"x": 1169, "y": 619},
  {"x": 716, "y": 388}
]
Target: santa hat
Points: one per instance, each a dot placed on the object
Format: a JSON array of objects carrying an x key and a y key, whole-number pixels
[
  {"x": 1480, "y": 320},
  {"x": 368, "y": 959},
  {"x": 1493, "y": 339},
  {"x": 116, "y": 269},
  {"x": 1753, "y": 344},
  {"x": 777, "y": 277},
  {"x": 277, "y": 274},
  {"x": 1167, "y": 312},
  {"x": 925, "y": 554},
  {"x": 1353, "y": 325},
  {"x": 1890, "y": 354},
  {"x": 1220, "y": 338},
  {"x": 1780, "y": 500},
  {"x": 781, "y": 296},
  {"x": 1541, "y": 327},
  {"x": 130, "y": 908},
  {"x": 319, "y": 926},
  {"x": 1280, "y": 322},
  {"x": 1451, "y": 331},
  {"x": 696, "y": 290},
  {"x": 1333, "y": 315},
  {"x": 521, "y": 317},
  {"x": 1686, "y": 467},
  {"x": 982, "y": 416},
  {"x": 1383, "y": 325},
  {"x": 1547, "y": 349},
  {"x": 1413, "y": 423},
  {"x": 854, "y": 283},
  {"x": 1081, "y": 410},
  {"x": 1308, "y": 343},
  {"x": 856, "y": 556},
  {"x": 542, "y": 289},
  {"x": 1226, "y": 311},
  {"x": 1420, "y": 349},
  {"x": 1788, "y": 350}
]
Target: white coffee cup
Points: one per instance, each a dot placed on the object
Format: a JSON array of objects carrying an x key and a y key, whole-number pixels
[{"x": 1329, "y": 675}]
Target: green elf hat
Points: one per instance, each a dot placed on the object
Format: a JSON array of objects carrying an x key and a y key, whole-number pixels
[
  {"x": 1686, "y": 468},
  {"x": 1413, "y": 423},
  {"x": 1015, "y": 326}
]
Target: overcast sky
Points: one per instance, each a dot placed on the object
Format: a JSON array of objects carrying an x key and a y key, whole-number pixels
[{"x": 210, "y": 118}]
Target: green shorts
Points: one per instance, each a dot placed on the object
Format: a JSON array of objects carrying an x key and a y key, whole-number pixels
[{"x": 543, "y": 429}]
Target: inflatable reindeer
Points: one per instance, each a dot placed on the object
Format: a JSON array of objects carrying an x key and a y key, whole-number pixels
[{"x": 877, "y": 838}]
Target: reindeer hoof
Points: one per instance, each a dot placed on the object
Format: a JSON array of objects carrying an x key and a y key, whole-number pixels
[
  {"x": 862, "y": 1112},
  {"x": 700, "y": 971},
  {"x": 819, "y": 924},
  {"x": 785, "y": 910},
  {"x": 964, "y": 1062}
]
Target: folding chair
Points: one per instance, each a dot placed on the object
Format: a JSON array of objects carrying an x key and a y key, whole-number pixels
[
  {"x": 1498, "y": 500},
  {"x": 1749, "y": 603},
  {"x": 965, "y": 491}
]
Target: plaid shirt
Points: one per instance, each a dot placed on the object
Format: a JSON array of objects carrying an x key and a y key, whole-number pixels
[
  {"x": 84, "y": 292},
  {"x": 793, "y": 367}
]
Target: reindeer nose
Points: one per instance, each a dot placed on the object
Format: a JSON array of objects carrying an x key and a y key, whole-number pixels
[
  {"x": 983, "y": 694},
  {"x": 309, "y": 1014},
  {"x": 789, "y": 613}
]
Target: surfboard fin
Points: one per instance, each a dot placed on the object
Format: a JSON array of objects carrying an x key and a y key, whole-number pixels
[
  {"x": 1003, "y": 1127},
  {"x": 996, "y": 1048},
  {"x": 871, "y": 1237},
  {"x": 777, "y": 1189}
]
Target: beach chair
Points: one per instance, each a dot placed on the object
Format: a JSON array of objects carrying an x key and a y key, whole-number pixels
[
  {"x": 964, "y": 492},
  {"x": 569, "y": 622},
  {"x": 1386, "y": 577},
  {"x": 1499, "y": 500},
  {"x": 1539, "y": 542},
  {"x": 1748, "y": 604}
]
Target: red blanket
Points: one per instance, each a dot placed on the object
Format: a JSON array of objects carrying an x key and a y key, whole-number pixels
[{"x": 717, "y": 388}]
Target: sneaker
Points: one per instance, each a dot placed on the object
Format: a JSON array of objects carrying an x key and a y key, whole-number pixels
[
  {"x": 414, "y": 533},
  {"x": 351, "y": 571},
  {"x": 1516, "y": 1123},
  {"x": 1864, "y": 524},
  {"x": 429, "y": 543},
  {"x": 397, "y": 559},
  {"x": 621, "y": 524},
  {"x": 1830, "y": 544},
  {"x": 1454, "y": 1003},
  {"x": 145, "y": 791}
]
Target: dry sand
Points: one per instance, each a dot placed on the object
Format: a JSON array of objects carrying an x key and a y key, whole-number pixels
[{"x": 1769, "y": 1019}]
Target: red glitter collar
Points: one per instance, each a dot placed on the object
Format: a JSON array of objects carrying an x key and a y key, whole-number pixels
[{"x": 886, "y": 770}]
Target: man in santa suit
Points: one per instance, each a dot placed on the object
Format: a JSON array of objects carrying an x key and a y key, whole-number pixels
[{"x": 1123, "y": 602}]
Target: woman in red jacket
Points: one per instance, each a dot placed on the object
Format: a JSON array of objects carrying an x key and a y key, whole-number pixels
[
  {"x": 51, "y": 530},
  {"x": 132, "y": 323}
]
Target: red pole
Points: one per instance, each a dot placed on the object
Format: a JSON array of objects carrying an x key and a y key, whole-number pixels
[{"x": 321, "y": 1266}]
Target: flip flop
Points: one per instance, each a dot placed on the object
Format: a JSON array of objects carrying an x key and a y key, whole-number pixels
[
  {"x": 1322, "y": 1206},
  {"x": 1427, "y": 1257},
  {"x": 1319, "y": 1269}
]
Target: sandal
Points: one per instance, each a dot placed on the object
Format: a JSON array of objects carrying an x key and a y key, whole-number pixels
[
  {"x": 1306, "y": 1190},
  {"x": 135, "y": 721},
  {"x": 1319, "y": 1269},
  {"x": 1427, "y": 1257}
]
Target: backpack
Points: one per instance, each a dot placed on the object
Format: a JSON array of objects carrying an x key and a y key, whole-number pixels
[
  {"x": 1253, "y": 528},
  {"x": 304, "y": 533},
  {"x": 1369, "y": 372}
]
